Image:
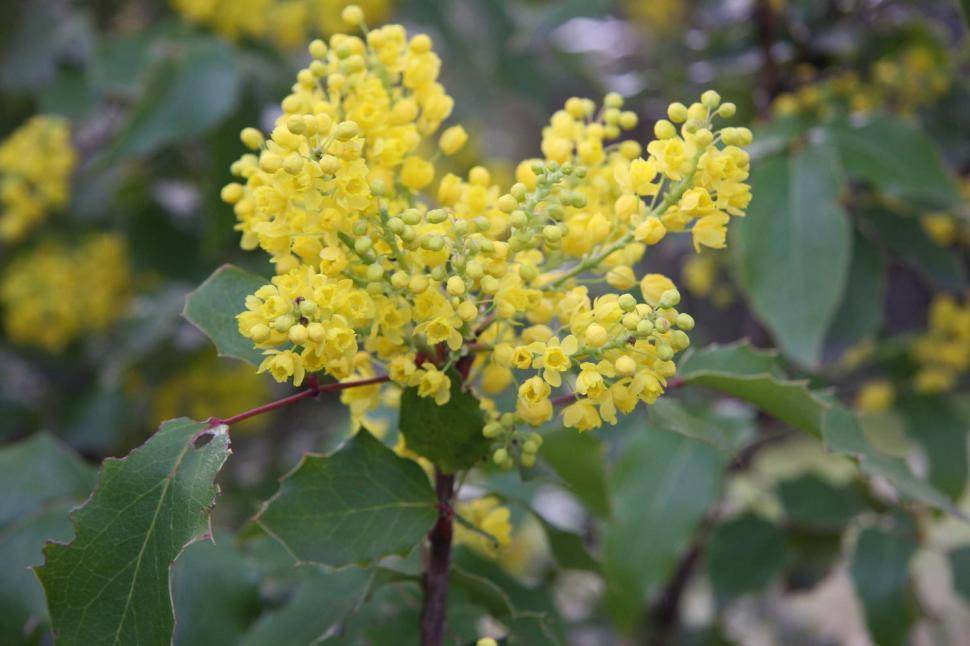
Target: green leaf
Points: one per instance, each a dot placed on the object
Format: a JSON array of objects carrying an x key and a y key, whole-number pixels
[
  {"x": 792, "y": 249},
  {"x": 670, "y": 415},
  {"x": 731, "y": 569},
  {"x": 897, "y": 158},
  {"x": 662, "y": 485},
  {"x": 111, "y": 583},
  {"x": 568, "y": 549},
  {"x": 843, "y": 434},
  {"x": 357, "y": 505},
  {"x": 960, "y": 565},
  {"x": 321, "y": 601},
  {"x": 860, "y": 314},
  {"x": 905, "y": 238},
  {"x": 40, "y": 481},
  {"x": 450, "y": 435},
  {"x": 752, "y": 375},
  {"x": 527, "y": 611},
  {"x": 811, "y": 502},
  {"x": 942, "y": 432},
  {"x": 880, "y": 572},
  {"x": 216, "y": 594},
  {"x": 213, "y": 307},
  {"x": 189, "y": 93},
  {"x": 577, "y": 458}
]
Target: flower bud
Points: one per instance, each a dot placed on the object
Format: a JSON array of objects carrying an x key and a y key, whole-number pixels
[
  {"x": 316, "y": 332},
  {"x": 456, "y": 286},
  {"x": 711, "y": 99},
  {"x": 625, "y": 365},
  {"x": 352, "y": 15},
  {"x": 251, "y": 138},
  {"x": 259, "y": 332},
  {"x": 663, "y": 129},
  {"x": 298, "y": 334},
  {"x": 677, "y": 112},
  {"x": 596, "y": 335},
  {"x": 346, "y": 130},
  {"x": 452, "y": 140}
]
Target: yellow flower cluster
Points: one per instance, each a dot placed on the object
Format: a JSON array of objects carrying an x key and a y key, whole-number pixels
[
  {"x": 379, "y": 264},
  {"x": 875, "y": 396},
  {"x": 287, "y": 23},
  {"x": 55, "y": 294},
  {"x": 950, "y": 229},
  {"x": 661, "y": 16},
  {"x": 903, "y": 82},
  {"x": 210, "y": 386},
  {"x": 943, "y": 353},
  {"x": 36, "y": 161},
  {"x": 490, "y": 518},
  {"x": 700, "y": 274}
]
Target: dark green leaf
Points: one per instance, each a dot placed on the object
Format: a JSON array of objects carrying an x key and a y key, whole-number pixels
[
  {"x": 880, "y": 573},
  {"x": 321, "y": 601},
  {"x": 860, "y": 314},
  {"x": 577, "y": 458},
  {"x": 814, "y": 503},
  {"x": 213, "y": 308},
  {"x": 897, "y": 158},
  {"x": 662, "y": 485},
  {"x": 843, "y": 434},
  {"x": 111, "y": 583},
  {"x": 748, "y": 374},
  {"x": 189, "y": 93},
  {"x": 670, "y": 415},
  {"x": 215, "y": 592},
  {"x": 121, "y": 61},
  {"x": 568, "y": 549},
  {"x": 450, "y": 435},
  {"x": 40, "y": 481},
  {"x": 357, "y": 505},
  {"x": 942, "y": 432},
  {"x": 69, "y": 94},
  {"x": 792, "y": 249},
  {"x": 960, "y": 566},
  {"x": 905, "y": 238},
  {"x": 731, "y": 569},
  {"x": 527, "y": 611}
]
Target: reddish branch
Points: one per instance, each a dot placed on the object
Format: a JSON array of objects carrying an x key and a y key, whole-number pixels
[
  {"x": 314, "y": 389},
  {"x": 434, "y": 613}
]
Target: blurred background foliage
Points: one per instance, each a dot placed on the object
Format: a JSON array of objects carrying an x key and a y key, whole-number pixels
[{"x": 852, "y": 263}]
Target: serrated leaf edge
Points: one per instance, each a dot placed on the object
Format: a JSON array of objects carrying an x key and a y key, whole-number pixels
[{"x": 221, "y": 429}]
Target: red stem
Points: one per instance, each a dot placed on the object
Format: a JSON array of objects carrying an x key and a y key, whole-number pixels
[
  {"x": 434, "y": 614},
  {"x": 314, "y": 390}
]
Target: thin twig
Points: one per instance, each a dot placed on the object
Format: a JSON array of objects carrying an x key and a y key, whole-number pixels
[{"x": 314, "y": 390}]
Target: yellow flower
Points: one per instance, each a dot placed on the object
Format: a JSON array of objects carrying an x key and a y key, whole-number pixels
[
  {"x": 533, "y": 404},
  {"x": 283, "y": 365},
  {"x": 653, "y": 286},
  {"x": 489, "y": 516},
  {"x": 875, "y": 396},
  {"x": 36, "y": 162},
  {"x": 434, "y": 383},
  {"x": 416, "y": 173},
  {"x": 554, "y": 357},
  {"x": 56, "y": 294},
  {"x": 581, "y": 415},
  {"x": 452, "y": 140},
  {"x": 378, "y": 266}
]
